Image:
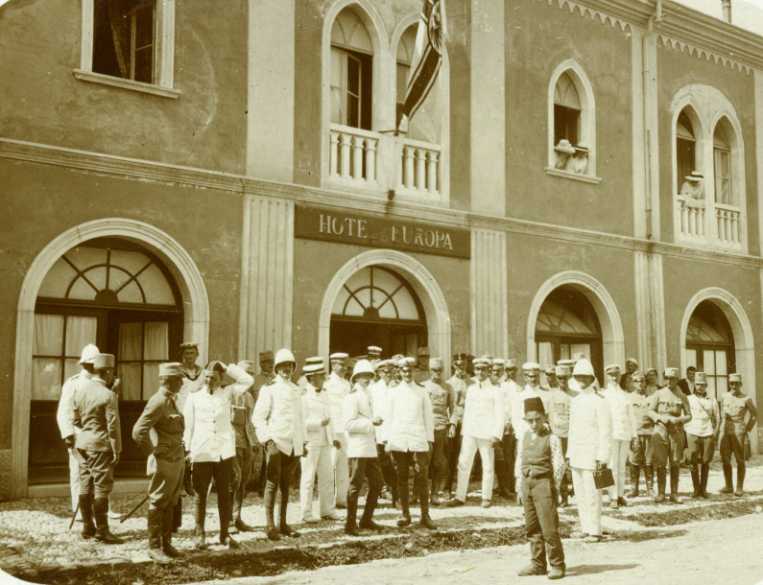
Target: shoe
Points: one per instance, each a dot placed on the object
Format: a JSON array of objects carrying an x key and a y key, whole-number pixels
[
  {"x": 578, "y": 534},
  {"x": 531, "y": 570},
  {"x": 273, "y": 534},
  {"x": 454, "y": 503},
  {"x": 486, "y": 503},
  {"x": 310, "y": 520},
  {"x": 659, "y": 499},
  {"x": 675, "y": 499},
  {"x": 228, "y": 541},
  {"x": 286, "y": 530},
  {"x": 242, "y": 526},
  {"x": 738, "y": 493},
  {"x": 556, "y": 573},
  {"x": 633, "y": 493},
  {"x": 331, "y": 516},
  {"x": 351, "y": 530},
  {"x": 201, "y": 542},
  {"x": 592, "y": 538},
  {"x": 370, "y": 525},
  {"x": 426, "y": 522},
  {"x": 158, "y": 555},
  {"x": 621, "y": 501},
  {"x": 614, "y": 504},
  {"x": 404, "y": 521},
  {"x": 100, "y": 513},
  {"x": 726, "y": 490}
]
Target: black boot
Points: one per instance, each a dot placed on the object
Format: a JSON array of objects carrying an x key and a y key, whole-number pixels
[
  {"x": 675, "y": 471},
  {"x": 86, "y": 509},
  {"x": 704, "y": 472},
  {"x": 200, "y": 514},
  {"x": 425, "y": 520},
  {"x": 283, "y": 527},
  {"x": 155, "y": 536},
  {"x": 695, "y": 482},
  {"x": 351, "y": 523},
  {"x": 168, "y": 527},
  {"x": 649, "y": 480},
  {"x": 270, "y": 504},
  {"x": 661, "y": 473},
  {"x": 101, "y": 513},
  {"x": 177, "y": 515},
  {"x": 729, "y": 487},
  {"x": 634, "y": 482},
  {"x": 741, "y": 468}
]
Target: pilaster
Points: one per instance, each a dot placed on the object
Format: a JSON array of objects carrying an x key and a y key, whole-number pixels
[{"x": 489, "y": 291}]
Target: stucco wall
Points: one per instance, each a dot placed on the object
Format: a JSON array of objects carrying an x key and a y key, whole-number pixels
[{"x": 205, "y": 127}]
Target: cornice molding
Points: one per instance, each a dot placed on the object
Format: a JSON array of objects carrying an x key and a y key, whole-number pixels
[
  {"x": 239, "y": 185},
  {"x": 589, "y": 10},
  {"x": 700, "y": 53}
]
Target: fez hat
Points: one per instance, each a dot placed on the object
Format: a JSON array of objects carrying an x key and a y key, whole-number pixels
[{"x": 534, "y": 404}]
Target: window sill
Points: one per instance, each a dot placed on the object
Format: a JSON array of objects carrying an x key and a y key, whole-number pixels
[
  {"x": 129, "y": 84},
  {"x": 575, "y": 177}
]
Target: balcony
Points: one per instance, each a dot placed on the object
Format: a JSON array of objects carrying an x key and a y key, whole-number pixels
[
  {"x": 376, "y": 162},
  {"x": 708, "y": 224}
]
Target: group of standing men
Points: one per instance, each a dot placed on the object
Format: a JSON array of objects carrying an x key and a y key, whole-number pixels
[{"x": 387, "y": 417}]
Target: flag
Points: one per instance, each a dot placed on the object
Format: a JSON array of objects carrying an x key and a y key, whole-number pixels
[{"x": 427, "y": 57}]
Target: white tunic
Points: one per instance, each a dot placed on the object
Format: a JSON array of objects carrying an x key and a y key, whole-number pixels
[
  {"x": 336, "y": 389},
  {"x": 703, "y": 412},
  {"x": 411, "y": 420},
  {"x": 65, "y": 412},
  {"x": 483, "y": 411},
  {"x": 315, "y": 407},
  {"x": 590, "y": 430},
  {"x": 621, "y": 410},
  {"x": 380, "y": 395},
  {"x": 277, "y": 416},
  {"x": 357, "y": 416}
]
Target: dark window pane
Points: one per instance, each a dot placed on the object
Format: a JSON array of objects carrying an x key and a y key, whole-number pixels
[
  {"x": 105, "y": 59},
  {"x": 144, "y": 25},
  {"x": 353, "y": 75},
  {"x": 566, "y": 122},
  {"x": 144, "y": 65},
  {"x": 685, "y": 159}
]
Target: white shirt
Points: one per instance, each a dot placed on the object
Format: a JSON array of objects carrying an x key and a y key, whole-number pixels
[
  {"x": 590, "y": 430},
  {"x": 277, "y": 416},
  {"x": 380, "y": 395},
  {"x": 411, "y": 420},
  {"x": 559, "y": 417},
  {"x": 65, "y": 412},
  {"x": 315, "y": 407},
  {"x": 357, "y": 416},
  {"x": 703, "y": 410},
  {"x": 189, "y": 387},
  {"x": 621, "y": 410},
  {"x": 209, "y": 434},
  {"x": 483, "y": 411},
  {"x": 336, "y": 389}
]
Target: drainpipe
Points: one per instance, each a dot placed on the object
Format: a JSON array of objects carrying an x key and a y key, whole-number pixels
[{"x": 726, "y": 7}]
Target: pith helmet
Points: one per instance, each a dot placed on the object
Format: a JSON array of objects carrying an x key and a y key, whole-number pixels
[
  {"x": 362, "y": 367},
  {"x": 284, "y": 356},
  {"x": 88, "y": 353},
  {"x": 583, "y": 368}
]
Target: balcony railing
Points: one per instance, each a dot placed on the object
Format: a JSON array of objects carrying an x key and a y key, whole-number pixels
[
  {"x": 362, "y": 159},
  {"x": 709, "y": 223}
]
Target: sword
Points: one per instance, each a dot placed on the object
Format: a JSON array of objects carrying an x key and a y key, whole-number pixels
[
  {"x": 74, "y": 516},
  {"x": 135, "y": 509}
]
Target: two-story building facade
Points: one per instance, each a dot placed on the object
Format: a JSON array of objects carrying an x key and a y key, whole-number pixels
[{"x": 583, "y": 178}]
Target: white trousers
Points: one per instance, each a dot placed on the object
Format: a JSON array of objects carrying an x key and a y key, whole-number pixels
[
  {"x": 469, "y": 448},
  {"x": 317, "y": 461},
  {"x": 617, "y": 460},
  {"x": 341, "y": 470},
  {"x": 588, "y": 499},
  {"x": 74, "y": 479}
]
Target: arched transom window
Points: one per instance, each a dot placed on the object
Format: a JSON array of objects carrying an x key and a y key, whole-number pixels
[
  {"x": 351, "y": 71},
  {"x": 376, "y": 293}
]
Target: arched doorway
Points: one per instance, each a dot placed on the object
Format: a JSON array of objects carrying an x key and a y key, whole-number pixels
[
  {"x": 710, "y": 347},
  {"x": 377, "y": 306},
  {"x": 423, "y": 284},
  {"x": 566, "y": 326},
  {"x": 119, "y": 295}
]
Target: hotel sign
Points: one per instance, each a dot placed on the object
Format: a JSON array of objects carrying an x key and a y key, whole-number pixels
[{"x": 365, "y": 230}]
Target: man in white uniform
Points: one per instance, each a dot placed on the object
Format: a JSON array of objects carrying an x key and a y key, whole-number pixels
[
  {"x": 482, "y": 428},
  {"x": 620, "y": 409},
  {"x": 588, "y": 447},
  {"x": 65, "y": 415},
  {"x": 320, "y": 442},
  {"x": 381, "y": 393},
  {"x": 337, "y": 387}
]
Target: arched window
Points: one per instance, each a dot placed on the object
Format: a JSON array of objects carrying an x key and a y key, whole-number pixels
[
  {"x": 572, "y": 121},
  {"x": 710, "y": 346},
  {"x": 121, "y": 297},
  {"x": 351, "y": 71},
  {"x": 686, "y": 151},
  {"x": 722, "y": 162}
]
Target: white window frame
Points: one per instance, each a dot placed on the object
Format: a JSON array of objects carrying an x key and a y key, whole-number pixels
[
  {"x": 164, "y": 53},
  {"x": 587, "y": 131}
]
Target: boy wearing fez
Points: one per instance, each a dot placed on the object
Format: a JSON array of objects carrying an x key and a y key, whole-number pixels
[{"x": 540, "y": 468}]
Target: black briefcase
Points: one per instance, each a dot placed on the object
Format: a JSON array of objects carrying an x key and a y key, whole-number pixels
[{"x": 603, "y": 478}]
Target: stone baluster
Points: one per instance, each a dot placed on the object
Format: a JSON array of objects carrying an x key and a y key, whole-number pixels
[
  {"x": 408, "y": 155},
  {"x": 432, "y": 173},
  {"x": 333, "y": 154},
  {"x": 421, "y": 168},
  {"x": 345, "y": 140},
  {"x": 370, "y": 159},
  {"x": 357, "y": 157}
]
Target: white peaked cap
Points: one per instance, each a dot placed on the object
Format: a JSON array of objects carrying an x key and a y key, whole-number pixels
[
  {"x": 583, "y": 368},
  {"x": 362, "y": 367},
  {"x": 284, "y": 356},
  {"x": 88, "y": 353}
]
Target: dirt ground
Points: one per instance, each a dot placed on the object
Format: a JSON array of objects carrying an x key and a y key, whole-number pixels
[{"x": 36, "y": 545}]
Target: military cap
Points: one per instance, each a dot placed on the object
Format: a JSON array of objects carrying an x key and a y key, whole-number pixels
[
  {"x": 531, "y": 366},
  {"x": 435, "y": 363},
  {"x": 374, "y": 350},
  {"x": 633, "y": 361},
  {"x": 310, "y": 369},
  {"x": 103, "y": 360},
  {"x": 189, "y": 345},
  {"x": 735, "y": 378},
  {"x": 168, "y": 369},
  {"x": 566, "y": 362},
  {"x": 500, "y": 362},
  {"x": 700, "y": 378},
  {"x": 422, "y": 351},
  {"x": 534, "y": 404},
  {"x": 563, "y": 371},
  {"x": 480, "y": 362},
  {"x": 315, "y": 359},
  {"x": 339, "y": 355},
  {"x": 671, "y": 373},
  {"x": 550, "y": 370},
  {"x": 612, "y": 369},
  {"x": 266, "y": 356},
  {"x": 511, "y": 363}
]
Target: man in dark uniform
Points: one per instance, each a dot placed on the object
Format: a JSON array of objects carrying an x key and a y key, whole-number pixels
[
  {"x": 687, "y": 384},
  {"x": 458, "y": 382},
  {"x": 166, "y": 459},
  {"x": 421, "y": 373},
  {"x": 246, "y": 445},
  {"x": 98, "y": 447}
]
